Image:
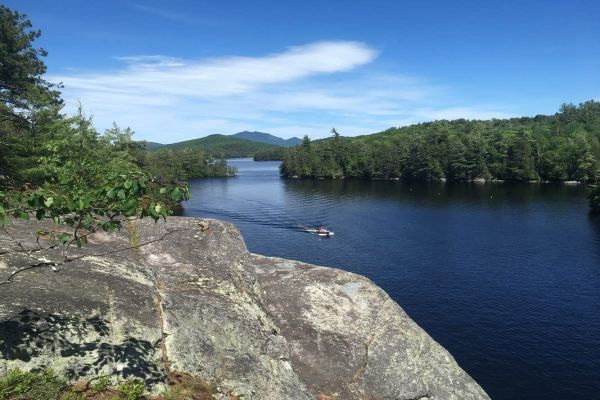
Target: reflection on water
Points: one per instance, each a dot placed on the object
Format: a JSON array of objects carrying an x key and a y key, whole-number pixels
[
  {"x": 436, "y": 193},
  {"x": 506, "y": 277}
]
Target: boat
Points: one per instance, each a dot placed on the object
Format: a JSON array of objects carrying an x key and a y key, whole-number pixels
[{"x": 322, "y": 231}]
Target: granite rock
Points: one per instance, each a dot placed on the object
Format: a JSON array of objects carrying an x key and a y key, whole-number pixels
[{"x": 186, "y": 295}]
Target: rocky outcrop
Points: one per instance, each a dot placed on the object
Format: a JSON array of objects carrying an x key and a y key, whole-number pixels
[{"x": 185, "y": 295}]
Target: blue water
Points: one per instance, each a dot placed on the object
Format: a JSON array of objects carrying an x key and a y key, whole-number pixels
[{"x": 505, "y": 276}]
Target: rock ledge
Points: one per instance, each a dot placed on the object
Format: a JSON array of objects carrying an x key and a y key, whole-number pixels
[{"x": 193, "y": 299}]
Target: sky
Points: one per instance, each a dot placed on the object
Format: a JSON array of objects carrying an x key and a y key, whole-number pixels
[{"x": 180, "y": 70}]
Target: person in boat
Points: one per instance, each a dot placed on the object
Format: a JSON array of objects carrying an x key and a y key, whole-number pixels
[{"x": 322, "y": 229}]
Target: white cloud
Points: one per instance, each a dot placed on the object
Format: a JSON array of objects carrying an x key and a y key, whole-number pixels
[
  {"x": 168, "y": 99},
  {"x": 223, "y": 76}
]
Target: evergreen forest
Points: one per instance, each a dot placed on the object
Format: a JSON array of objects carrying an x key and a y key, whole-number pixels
[{"x": 556, "y": 148}]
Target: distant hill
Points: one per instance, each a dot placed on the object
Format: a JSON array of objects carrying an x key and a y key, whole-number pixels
[
  {"x": 223, "y": 146},
  {"x": 152, "y": 145},
  {"x": 263, "y": 137},
  {"x": 241, "y": 144}
]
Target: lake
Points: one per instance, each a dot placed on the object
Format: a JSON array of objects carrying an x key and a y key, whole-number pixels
[{"x": 504, "y": 276}]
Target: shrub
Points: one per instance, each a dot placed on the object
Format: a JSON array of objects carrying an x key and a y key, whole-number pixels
[
  {"x": 72, "y": 396},
  {"x": 132, "y": 390},
  {"x": 39, "y": 385},
  {"x": 102, "y": 384}
]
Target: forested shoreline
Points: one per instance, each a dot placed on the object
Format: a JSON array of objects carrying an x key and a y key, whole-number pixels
[
  {"x": 181, "y": 165},
  {"x": 561, "y": 147},
  {"x": 556, "y": 148},
  {"x": 275, "y": 154}
]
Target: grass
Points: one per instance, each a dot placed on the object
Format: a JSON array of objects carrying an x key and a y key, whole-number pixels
[
  {"x": 41, "y": 385},
  {"x": 47, "y": 385}
]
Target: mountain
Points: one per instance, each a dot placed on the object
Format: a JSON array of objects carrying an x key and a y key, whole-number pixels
[
  {"x": 241, "y": 144},
  {"x": 152, "y": 145},
  {"x": 263, "y": 137},
  {"x": 223, "y": 146}
]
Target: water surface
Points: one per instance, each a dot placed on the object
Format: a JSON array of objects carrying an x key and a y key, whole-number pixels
[{"x": 505, "y": 276}]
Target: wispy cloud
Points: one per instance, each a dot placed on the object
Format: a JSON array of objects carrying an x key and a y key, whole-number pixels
[
  {"x": 174, "y": 16},
  {"x": 288, "y": 93}
]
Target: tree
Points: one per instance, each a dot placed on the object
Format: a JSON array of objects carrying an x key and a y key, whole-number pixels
[
  {"x": 306, "y": 142},
  {"x": 27, "y": 101},
  {"x": 457, "y": 168},
  {"x": 91, "y": 183},
  {"x": 23, "y": 91},
  {"x": 520, "y": 160},
  {"x": 79, "y": 179}
]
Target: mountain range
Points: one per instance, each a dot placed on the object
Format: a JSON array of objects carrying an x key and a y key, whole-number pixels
[
  {"x": 241, "y": 144},
  {"x": 268, "y": 138}
]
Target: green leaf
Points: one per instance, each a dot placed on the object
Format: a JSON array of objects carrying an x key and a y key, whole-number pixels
[
  {"x": 163, "y": 190},
  {"x": 40, "y": 213},
  {"x": 21, "y": 215},
  {"x": 131, "y": 203},
  {"x": 87, "y": 221},
  {"x": 176, "y": 194},
  {"x": 33, "y": 200},
  {"x": 65, "y": 237},
  {"x": 112, "y": 226},
  {"x": 49, "y": 201}
]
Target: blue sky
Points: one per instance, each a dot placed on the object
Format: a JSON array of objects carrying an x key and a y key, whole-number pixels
[{"x": 178, "y": 70}]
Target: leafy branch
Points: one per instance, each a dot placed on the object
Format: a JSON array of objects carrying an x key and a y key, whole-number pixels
[{"x": 92, "y": 210}]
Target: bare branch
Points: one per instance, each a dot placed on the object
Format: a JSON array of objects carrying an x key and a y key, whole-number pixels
[
  {"x": 13, "y": 239},
  {"x": 17, "y": 272},
  {"x": 126, "y": 248},
  {"x": 70, "y": 259}
]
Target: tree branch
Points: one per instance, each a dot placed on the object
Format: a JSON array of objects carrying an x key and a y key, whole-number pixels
[
  {"x": 126, "y": 248},
  {"x": 70, "y": 259},
  {"x": 17, "y": 272},
  {"x": 13, "y": 239}
]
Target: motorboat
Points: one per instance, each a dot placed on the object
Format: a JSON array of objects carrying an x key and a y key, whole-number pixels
[{"x": 321, "y": 231}]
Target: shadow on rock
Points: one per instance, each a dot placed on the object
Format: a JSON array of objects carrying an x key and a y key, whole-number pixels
[{"x": 84, "y": 341}]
